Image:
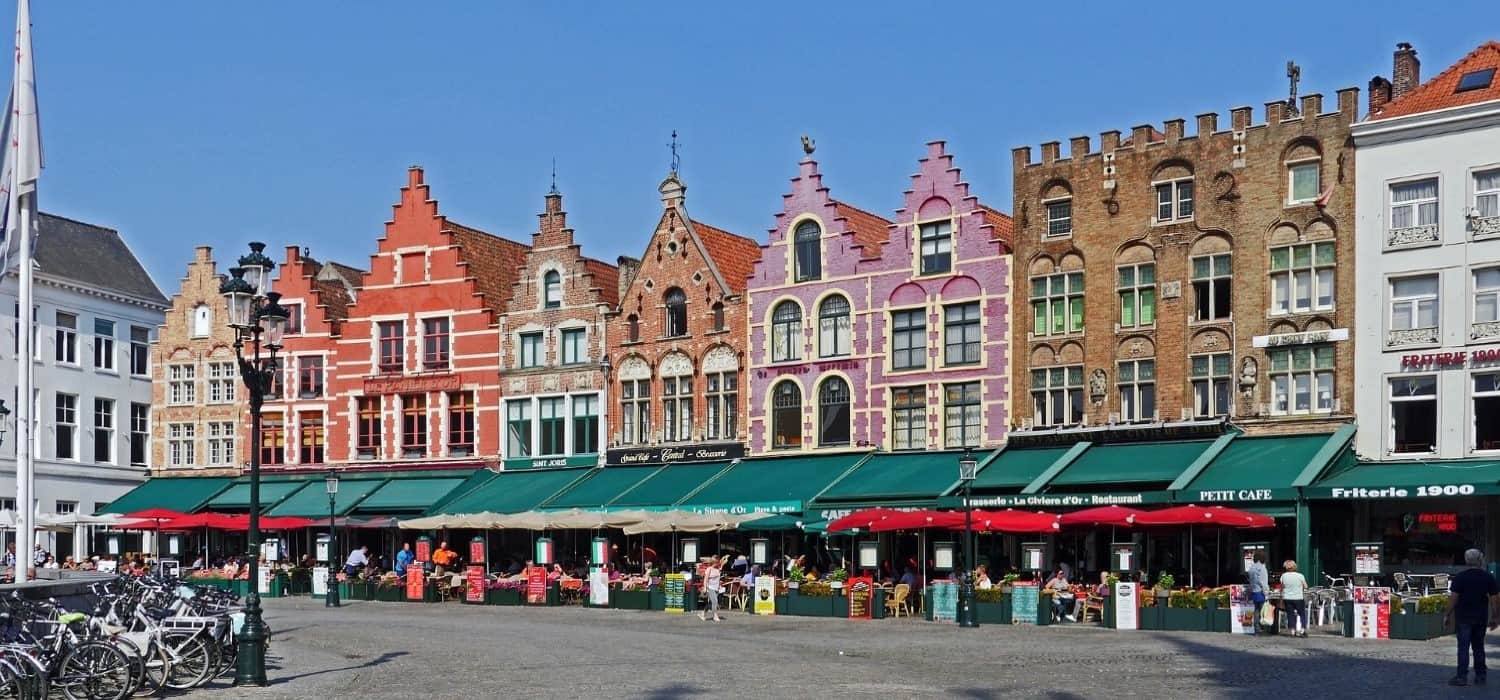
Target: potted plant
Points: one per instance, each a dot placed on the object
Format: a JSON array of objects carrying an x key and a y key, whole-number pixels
[
  {"x": 1164, "y": 584},
  {"x": 812, "y": 598},
  {"x": 990, "y": 606},
  {"x": 630, "y": 596},
  {"x": 1185, "y": 612},
  {"x": 505, "y": 592},
  {"x": 389, "y": 589},
  {"x": 794, "y": 577},
  {"x": 1419, "y": 619},
  {"x": 1008, "y": 581},
  {"x": 837, "y": 577}
]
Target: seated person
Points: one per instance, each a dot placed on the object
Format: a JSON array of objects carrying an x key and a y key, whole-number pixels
[
  {"x": 982, "y": 578},
  {"x": 1062, "y": 596}
]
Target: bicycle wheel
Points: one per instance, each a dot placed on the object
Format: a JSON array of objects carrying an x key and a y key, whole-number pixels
[
  {"x": 27, "y": 673},
  {"x": 192, "y": 659},
  {"x": 94, "y": 671},
  {"x": 137, "y": 661},
  {"x": 10, "y": 683}
]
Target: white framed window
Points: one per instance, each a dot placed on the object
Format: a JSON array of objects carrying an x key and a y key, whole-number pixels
[
  {"x": 909, "y": 418},
  {"x": 181, "y": 444},
  {"x": 962, "y": 415},
  {"x": 203, "y": 321},
  {"x": 518, "y": 428},
  {"x": 104, "y": 431},
  {"x": 1137, "y": 380},
  {"x": 1136, "y": 286},
  {"x": 1302, "y": 278},
  {"x": 293, "y": 317},
  {"x": 1414, "y": 414},
  {"x": 1213, "y": 380},
  {"x": 1414, "y": 203},
  {"x": 1304, "y": 182},
  {"x": 677, "y": 408},
  {"x": 1057, "y": 304},
  {"x": 553, "y": 421},
  {"x": 833, "y": 412},
  {"x": 1301, "y": 380},
  {"x": 104, "y": 344},
  {"x": 1414, "y": 302},
  {"x": 140, "y": 351},
  {"x": 937, "y": 246},
  {"x": 140, "y": 433},
  {"x": 1059, "y": 217},
  {"x": 574, "y": 348},
  {"x": 786, "y": 332},
  {"x": 220, "y": 443},
  {"x": 1174, "y": 200},
  {"x": 1487, "y": 193},
  {"x": 909, "y": 339},
  {"x": 551, "y": 290},
  {"x": 834, "y": 327},
  {"x": 635, "y": 421},
  {"x": 961, "y": 338},
  {"x": 1486, "y": 411},
  {"x": 221, "y": 382},
  {"x": 1487, "y": 295},
  {"x": 66, "y": 507},
  {"x": 66, "y": 335},
  {"x": 1213, "y": 287},
  {"x": 182, "y": 384},
  {"x": 531, "y": 349},
  {"x": 67, "y": 426},
  {"x": 1057, "y": 396},
  {"x": 808, "y": 243},
  {"x": 723, "y": 405}
]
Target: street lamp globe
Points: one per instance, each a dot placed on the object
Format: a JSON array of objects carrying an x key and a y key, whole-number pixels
[
  {"x": 332, "y": 482},
  {"x": 968, "y": 466},
  {"x": 258, "y": 269},
  {"x": 239, "y": 297},
  {"x": 273, "y": 318}
]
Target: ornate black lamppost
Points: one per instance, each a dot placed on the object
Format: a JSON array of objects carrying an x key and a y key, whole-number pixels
[
  {"x": 332, "y": 599},
  {"x": 967, "y": 467},
  {"x": 258, "y": 322}
]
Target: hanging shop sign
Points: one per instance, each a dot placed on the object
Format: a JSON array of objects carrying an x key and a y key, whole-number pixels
[
  {"x": 942, "y": 556},
  {"x": 1248, "y": 550},
  {"x": 1454, "y": 359},
  {"x": 869, "y": 554},
  {"x": 678, "y": 454},
  {"x": 1031, "y": 555},
  {"x": 1123, "y": 556},
  {"x": 424, "y": 549},
  {"x": 760, "y": 551},
  {"x": 476, "y": 550}
]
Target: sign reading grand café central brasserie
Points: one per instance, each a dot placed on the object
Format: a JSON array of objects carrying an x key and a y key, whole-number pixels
[{"x": 676, "y": 454}]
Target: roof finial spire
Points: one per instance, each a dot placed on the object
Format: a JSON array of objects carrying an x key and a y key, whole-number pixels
[
  {"x": 1294, "y": 76},
  {"x": 676, "y": 160},
  {"x": 554, "y": 177}
]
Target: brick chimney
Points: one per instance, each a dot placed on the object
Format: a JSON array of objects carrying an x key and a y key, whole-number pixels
[
  {"x": 1380, "y": 94},
  {"x": 1406, "y": 74}
]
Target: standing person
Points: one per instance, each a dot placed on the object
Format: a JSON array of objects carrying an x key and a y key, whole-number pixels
[
  {"x": 1473, "y": 603},
  {"x": 1259, "y": 584},
  {"x": 357, "y": 559},
  {"x": 404, "y": 558},
  {"x": 443, "y": 559},
  {"x": 712, "y": 584},
  {"x": 1294, "y": 593}
]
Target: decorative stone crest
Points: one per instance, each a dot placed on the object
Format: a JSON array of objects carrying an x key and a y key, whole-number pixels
[
  {"x": 634, "y": 368},
  {"x": 1249, "y": 373},
  {"x": 721, "y": 359},
  {"x": 675, "y": 365},
  {"x": 1098, "y": 385},
  {"x": 1412, "y": 235},
  {"x": 1411, "y": 336}
]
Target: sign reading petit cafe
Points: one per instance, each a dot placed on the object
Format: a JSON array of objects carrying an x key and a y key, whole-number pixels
[{"x": 1450, "y": 360}]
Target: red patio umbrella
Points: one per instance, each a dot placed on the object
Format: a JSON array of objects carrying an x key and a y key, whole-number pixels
[
  {"x": 286, "y": 522},
  {"x": 863, "y": 519},
  {"x": 917, "y": 520},
  {"x": 152, "y": 518},
  {"x": 215, "y": 521},
  {"x": 1010, "y": 521},
  {"x": 1205, "y": 515},
  {"x": 1116, "y": 516}
]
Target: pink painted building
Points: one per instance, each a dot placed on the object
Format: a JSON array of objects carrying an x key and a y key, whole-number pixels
[{"x": 867, "y": 333}]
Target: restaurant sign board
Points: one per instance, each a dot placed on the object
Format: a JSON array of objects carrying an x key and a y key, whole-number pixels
[
  {"x": 1367, "y": 556},
  {"x": 1057, "y": 500},
  {"x": 1127, "y": 611},
  {"x": 1024, "y": 599},
  {"x": 474, "y": 578},
  {"x": 674, "y": 586},
  {"x": 860, "y": 590},
  {"x": 398, "y": 384},
  {"x": 1355, "y": 493},
  {"x": 416, "y": 582},
  {"x": 536, "y": 585},
  {"x": 765, "y": 595},
  {"x": 944, "y": 601},
  {"x": 772, "y": 507},
  {"x": 676, "y": 454}
]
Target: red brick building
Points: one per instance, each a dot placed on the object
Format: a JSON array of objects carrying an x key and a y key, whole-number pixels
[
  {"x": 415, "y": 372},
  {"x": 551, "y": 344},
  {"x": 677, "y": 343}
]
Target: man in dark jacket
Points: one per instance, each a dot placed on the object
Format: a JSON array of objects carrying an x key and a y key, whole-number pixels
[{"x": 1473, "y": 604}]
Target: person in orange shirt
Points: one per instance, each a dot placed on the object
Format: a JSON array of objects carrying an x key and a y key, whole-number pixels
[{"x": 443, "y": 559}]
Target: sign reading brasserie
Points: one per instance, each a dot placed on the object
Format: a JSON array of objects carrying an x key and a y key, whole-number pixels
[
  {"x": 1080, "y": 500},
  {"x": 676, "y": 454}
]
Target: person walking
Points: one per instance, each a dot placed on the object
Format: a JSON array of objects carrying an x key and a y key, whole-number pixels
[
  {"x": 1473, "y": 604},
  {"x": 712, "y": 584},
  {"x": 1259, "y": 585},
  {"x": 1294, "y": 595}
]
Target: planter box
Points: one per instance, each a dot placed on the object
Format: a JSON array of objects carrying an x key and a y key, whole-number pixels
[
  {"x": 503, "y": 596},
  {"x": 389, "y": 594},
  {"x": 840, "y": 604},
  {"x": 1418, "y": 626},
  {"x": 1218, "y": 619},
  {"x": 1185, "y": 619},
  {"x": 1152, "y": 617},
  {"x": 630, "y": 600},
  {"x": 992, "y": 613},
  {"x": 658, "y": 598},
  {"x": 808, "y": 606},
  {"x": 299, "y": 584}
]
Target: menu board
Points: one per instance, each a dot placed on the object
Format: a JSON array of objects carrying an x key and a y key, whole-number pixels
[
  {"x": 1031, "y": 555},
  {"x": 765, "y": 595},
  {"x": 674, "y": 586},
  {"x": 1241, "y": 611},
  {"x": 536, "y": 585},
  {"x": 860, "y": 589},
  {"x": 1124, "y": 556},
  {"x": 1127, "y": 612},
  {"x": 1372, "y": 613},
  {"x": 942, "y": 556},
  {"x": 1024, "y": 598},
  {"x": 599, "y": 588},
  {"x": 424, "y": 549},
  {"x": 476, "y": 550},
  {"x": 264, "y": 585},
  {"x": 1248, "y": 550},
  {"x": 944, "y": 601},
  {"x": 474, "y": 590},
  {"x": 416, "y": 583},
  {"x": 1367, "y": 557},
  {"x": 320, "y": 580}
]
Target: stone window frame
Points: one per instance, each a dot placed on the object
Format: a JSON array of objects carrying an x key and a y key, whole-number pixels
[
  {"x": 1484, "y": 330},
  {"x": 826, "y": 391},
  {"x": 792, "y": 332},
  {"x": 551, "y": 289},
  {"x": 1475, "y": 394},
  {"x": 1415, "y": 336},
  {"x": 916, "y": 414},
  {"x": 1483, "y": 226},
  {"x": 834, "y": 341},
  {"x": 1315, "y": 269},
  {"x": 1391, "y": 399},
  {"x": 795, "y": 244},
  {"x": 776, "y": 412},
  {"x": 963, "y": 404},
  {"x": 1174, "y": 186},
  {"x": 1416, "y": 235},
  {"x": 674, "y": 310},
  {"x": 1137, "y": 387}
]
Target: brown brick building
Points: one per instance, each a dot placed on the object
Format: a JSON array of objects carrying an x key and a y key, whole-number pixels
[
  {"x": 1169, "y": 276},
  {"x": 551, "y": 346},
  {"x": 677, "y": 342}
]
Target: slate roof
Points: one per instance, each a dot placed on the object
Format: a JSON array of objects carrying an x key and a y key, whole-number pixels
[
  {"x": 336, "y": 294},
  {"x": 495, "y": 263},
  {"x": 92, "y": 256},
  {"x": 733, "y": 254},
  {"x": 606, "y": 278},
  {"x": 1440, "y": 92},
  {"x": 870, "y": 231}
]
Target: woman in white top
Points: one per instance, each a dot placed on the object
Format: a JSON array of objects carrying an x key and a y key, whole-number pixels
[
  {"x": 1294, "y": 596},
  {"x": 712, "y": 583}
]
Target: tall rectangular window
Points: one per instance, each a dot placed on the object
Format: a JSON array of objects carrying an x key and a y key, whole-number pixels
[
  {"x": 1414, "y": 204},
  {"x": 1414, "y": 302},
  {"x": 310, "y": 376},
  {"x": 67, "y": 338},
  {"x": 1057, "y": 396},
  {"x": 220, "y": 443},
  {"x": 585, "y": 424},
  {"x": 370, "y": 422},
  {"x": 677, "y": 408},
  {"x": 221, "y": 382},
  {"x": 273, "y": 439},
  {"x": 1212, "y": 287},
  {"x": 909, "y": 418},
  {"x": 1057, "y": 304},
  {"x": 104, "y": 344},
  {"x": 723, "y": 401},
  {"x": 574, "y": 349},
  {"x": 414, "y": 425},
  {"x": 531, "y": 350},
  {"x": 104, "y": 431},
  {"x": 962, "y": 415},
  {"x": 67, "y": 426},
  {"x": 518, "y": 428},
  {"x": 1487, "y": 193},
  {"x": 909, "y": 339},
  {"x": 1301, "y": 379},
  {"x": 392, "y": 346},
  {"x": 937, "y": 247},
  {"x": 1137, "y": 390},
  {"x": 460, "y": 424},
  {"x": 435, "y": 343},
  {"x": 635, "y": 402},
  {"x": 552, "y": 420},
  {"x": 1487, "y": 295},
  {"x": 140, "y": 433},
  {"x": 961, "y": 339},
  {"x": 1487, "y": 411},
  {"x": 140, "y": 351},
  {"x": 1136, "y": 286},
  {"x": 1414, "y": 414},
  {"x": 1304, "y": 182},
  {"x": 1212, "y": 379},
  {"x": 182, "y": 444},
  {"x": 1059, "y": 217},
  {"x": 293, "y": 317},
  {"x": 310, "y": 425},
  {"x": 1174, "y": 201},
  {"x": 1302, "y": 278}
]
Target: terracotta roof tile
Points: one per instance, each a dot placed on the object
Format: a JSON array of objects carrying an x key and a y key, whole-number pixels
[
  {"x": 1004, "y": 226},
  {"x": 1441, "y": 91},
  {"x": 870, "y": 231},
  {"x": 494, "y": 263},
  {"x": 606, "y": 279},
  {"x": 733, "y": 254}
]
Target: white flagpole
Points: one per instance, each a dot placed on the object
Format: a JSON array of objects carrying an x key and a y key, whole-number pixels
[
  {"x": 25, "y": 512},
  {"x": 26, "y": 147}
]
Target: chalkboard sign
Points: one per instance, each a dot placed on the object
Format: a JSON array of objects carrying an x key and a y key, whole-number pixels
[
  {"x": 860, "y": 590},
  {"x": 1024, "y": 598},
  {"x": 944, "y": 601},
  {"x": 674, "y": 586}
]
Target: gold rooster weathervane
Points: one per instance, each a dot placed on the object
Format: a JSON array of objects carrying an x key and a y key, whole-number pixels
[{"x": 808, "y": 145}]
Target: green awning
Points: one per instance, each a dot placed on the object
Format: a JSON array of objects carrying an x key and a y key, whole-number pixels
[
  {"x": 1252, "y": 469},
  {"x": 1397, "y": 480},
  {"x": 184, "y": 494},
  {"x": 775, "y": 484},
  {"x": 512, "y": 492},
  {"x": 237, "y": 497},
  {"x": 1014, "y": 468},
  {"x": 899, "y": 479},
  {"x": 474, "y": 480},
  {"x": 407, "y": 495},
  {"x": 601, "y": 486},
  {"x": 1129, "y": 463},
  {"x": 311, "y": 501},
  {"x": 667, "y": 485}
]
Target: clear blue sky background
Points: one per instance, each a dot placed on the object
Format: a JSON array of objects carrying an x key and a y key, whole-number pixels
[{"x": 184, "y": 123}]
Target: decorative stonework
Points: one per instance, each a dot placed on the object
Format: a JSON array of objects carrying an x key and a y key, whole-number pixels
[
  {"x": 583, "y": 380},
  {"x": 721, "y": 359},
  {"x": 1488, "y": 330},
  {"x": 1486, "y": 227},
  {"x": 1413, "y": 336},
  {"x": 675, "y": 365},
  {"x": 1412, "y": 235},
  {"x": 1098, "y": 385},
  {"x": 634, "y": 368},
  {"x": 551, "y": 383},
  {"x": 517, "y": 385}
]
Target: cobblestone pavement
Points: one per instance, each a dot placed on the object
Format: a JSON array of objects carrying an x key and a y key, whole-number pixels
[{"x": 390, "y": 650}]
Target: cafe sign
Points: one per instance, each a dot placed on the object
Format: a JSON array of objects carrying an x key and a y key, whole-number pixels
[
  {"x": 1361, "y": 493},
  {"x": 1072, "y": 500},
  {"x": 552, "y": 462},
  {"x": 1456, "y": 359},
  {"x": 1243, "y": 495},
  {"x": 676, "y": 454},
  {"x": 771, "y": 507},
  {"x": 411, "y": 385}
]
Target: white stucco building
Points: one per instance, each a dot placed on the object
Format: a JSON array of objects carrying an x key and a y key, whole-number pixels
[
  {"x": 95, "y": 309},
  {"x": 1427, "y": 180}
]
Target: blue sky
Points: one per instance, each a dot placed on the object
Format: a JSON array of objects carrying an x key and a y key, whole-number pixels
[{"x": 184, "y": 123}]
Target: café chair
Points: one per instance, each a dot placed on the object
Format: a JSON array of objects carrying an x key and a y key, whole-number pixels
[{"x": 897, "y": 602}]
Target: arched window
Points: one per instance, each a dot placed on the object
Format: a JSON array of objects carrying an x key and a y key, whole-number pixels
[
  {"x": 833, "y": 327},
  {"x": 718, "y": 315},
  {"x": 833, "y": 412},
  {"x": 676, "y": 303},
  {"x": 786, "y": 416},
  {"x": 551, "y": 290},
  {"x": 633, "y": 328},
  {"x": 203, "y": 321},
  {"x": 786, "y": 332},
  {"x": 809, "y": 242}
]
